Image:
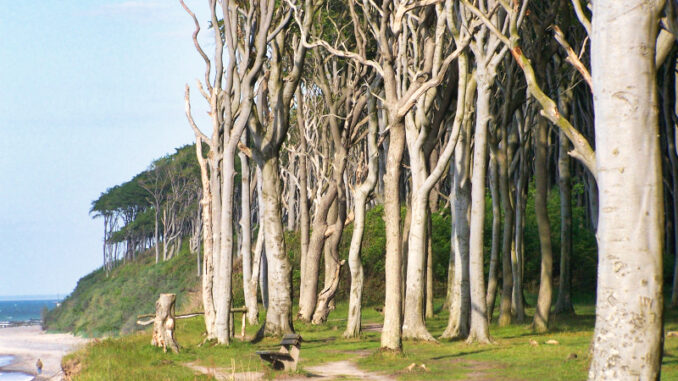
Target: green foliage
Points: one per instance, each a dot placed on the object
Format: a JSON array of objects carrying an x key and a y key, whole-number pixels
[
  {"x": 168, "y": 187},
  {"x": 584, "y": 245}
]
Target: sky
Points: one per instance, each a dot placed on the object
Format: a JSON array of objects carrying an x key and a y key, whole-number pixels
[{"x": 91, "y": 92}]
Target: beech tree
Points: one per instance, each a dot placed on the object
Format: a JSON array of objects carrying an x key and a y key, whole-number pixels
[
  {"x": 238, "y": 63},
  {"x": 630, "y": 227}
]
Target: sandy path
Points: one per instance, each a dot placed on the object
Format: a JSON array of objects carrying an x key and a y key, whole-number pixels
[
  {"x": 337, "y": 370},
  {"x": 343, "y": 370},
  {"x": 28, "y": 344}
]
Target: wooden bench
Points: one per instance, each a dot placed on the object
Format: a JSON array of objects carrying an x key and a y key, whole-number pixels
[{"x": 288, "y": 355}]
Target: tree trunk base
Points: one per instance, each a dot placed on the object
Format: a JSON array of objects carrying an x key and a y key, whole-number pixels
[
  {"x": 418, "y": 333},
  {"x": 475, "y": 338},
  {"x": 163, "y": 326}
]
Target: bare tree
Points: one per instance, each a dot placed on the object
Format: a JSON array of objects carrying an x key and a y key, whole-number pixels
[
  {"x": 241, "y": 33},
  {"x": 360, "y": 196}
]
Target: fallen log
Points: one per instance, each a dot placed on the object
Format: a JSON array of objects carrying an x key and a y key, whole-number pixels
[{"x": 242, "y": 310}]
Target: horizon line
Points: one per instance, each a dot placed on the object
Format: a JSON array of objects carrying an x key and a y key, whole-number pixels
[{"x": 10, "y": 298}]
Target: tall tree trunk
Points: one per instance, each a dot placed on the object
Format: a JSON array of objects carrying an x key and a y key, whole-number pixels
[
  {"x": 391, "y": 332},
  {"x": 496, "y": 230},
  {"x": 517, "y": 304},
  {"x": 507, "y": 240},
  {"x": 304, "y": 219},
  {"x": 413, "y": 321},
  {"x": 449, "y": 288},
  {"x": 629, "y": 309},
  {"x": 279, "y": 314},
  {"x": 250, "y": 293},
  {"x": 479, "y": 330},
  {"x": 564, "y": 301},
  {"x": 208, "y": 241},
  {"x": 223, "y": 279},
  {"x": 359, "y": 203},
  {"x": 215, "y": 187},
  {"x": 259, "y": 250},
  {"x": 543, "y": 308},
  {"x": 291, "y": 197},
  {"x": 460, "y": 202},
  {"x": 460, "y": 209},
  {"x": 330, "y": 262},
  {"x": 326, "y": 297},
  {"x": 429, "y": 268},
  {"x": 309, "y": 282}
]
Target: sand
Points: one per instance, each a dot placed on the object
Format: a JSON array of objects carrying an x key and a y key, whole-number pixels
[{"x": 28, "y": 344}]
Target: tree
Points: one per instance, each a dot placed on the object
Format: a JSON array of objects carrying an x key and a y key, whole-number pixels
[
  {"x": 231, "y": 99},
  {"x": 628, "y": 334}
]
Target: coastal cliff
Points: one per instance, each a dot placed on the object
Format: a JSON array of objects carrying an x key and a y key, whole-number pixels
[{"x": 108, "y": 305}]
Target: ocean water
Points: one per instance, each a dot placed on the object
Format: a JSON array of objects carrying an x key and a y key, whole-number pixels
[
  {"x": 23, "y": 310},
  {"x": 12, "y": 376}
]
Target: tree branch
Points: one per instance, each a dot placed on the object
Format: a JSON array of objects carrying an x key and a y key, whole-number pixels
[{"x": 572, "y": 56}]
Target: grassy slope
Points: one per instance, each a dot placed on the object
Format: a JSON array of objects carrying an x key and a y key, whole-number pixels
[
  {"x": 510, "y": 358},
  {"x": 104, "y": 305}
]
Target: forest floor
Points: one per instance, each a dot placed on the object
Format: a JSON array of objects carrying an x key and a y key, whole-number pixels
[{"x": 516, "y": 354}]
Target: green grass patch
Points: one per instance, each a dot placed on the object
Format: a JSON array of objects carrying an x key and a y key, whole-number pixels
[{"x": 511, "y": 357}]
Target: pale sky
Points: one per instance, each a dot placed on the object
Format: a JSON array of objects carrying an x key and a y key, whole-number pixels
[{"x": 91, "y": 92}]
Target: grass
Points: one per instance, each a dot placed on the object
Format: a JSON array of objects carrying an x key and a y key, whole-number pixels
[{"x": 511, "y": 357}]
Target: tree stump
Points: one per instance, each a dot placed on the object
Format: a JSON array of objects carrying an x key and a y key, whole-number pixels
[{"x": 163, "y": 326}]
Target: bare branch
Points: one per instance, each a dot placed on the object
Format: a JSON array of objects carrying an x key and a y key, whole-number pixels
[
  {"x": 197, "y": 45},
  {"x": 198, "y": 134},
  {"x": 329, "y": 48},
  {"x": 402, "y": 9},
  {"x": 280, "y": 27},
  {"x": 414, "y": 93},
  {"x": 581, "y": 16},
  {"x": 582, "y": 149},
  {"x": 572, "y": 56}
]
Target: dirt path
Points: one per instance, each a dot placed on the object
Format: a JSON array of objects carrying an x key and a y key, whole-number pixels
[
  {"x": 225, "y": 373},
  {"x": 342, "y": 370}
]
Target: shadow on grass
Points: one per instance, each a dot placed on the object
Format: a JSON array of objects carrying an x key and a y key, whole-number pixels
[{"x": 460, "y": 354}]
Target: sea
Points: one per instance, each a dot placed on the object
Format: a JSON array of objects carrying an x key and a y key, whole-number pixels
[
  {"x": 11, "y": 376},
  {"x": 16, "y": 312}
]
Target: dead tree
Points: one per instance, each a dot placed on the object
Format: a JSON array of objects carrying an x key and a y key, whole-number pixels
[{"x": 164, "y": 323}]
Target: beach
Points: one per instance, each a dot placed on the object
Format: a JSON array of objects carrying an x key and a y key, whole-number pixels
[{"x": 28, "y": 344}]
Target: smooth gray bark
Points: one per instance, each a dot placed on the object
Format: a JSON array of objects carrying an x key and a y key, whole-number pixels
[
  {"x": 359, "y": 201},
  {"x": 496, "y": 230},
  {"x": 629, "y": 307},
  {"x": 545, "y": 296}
]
